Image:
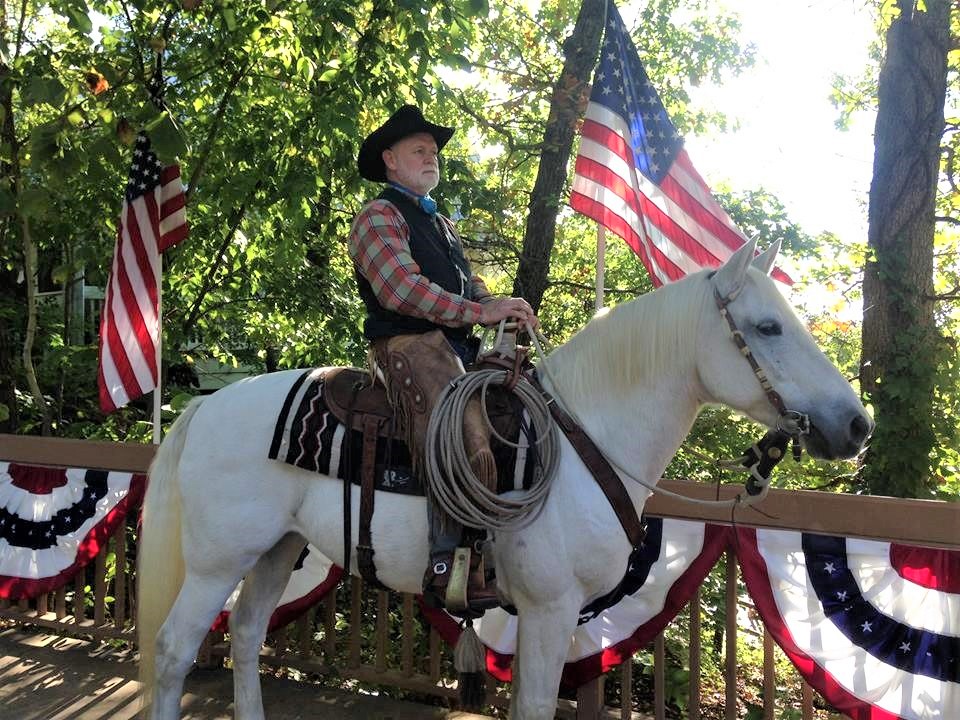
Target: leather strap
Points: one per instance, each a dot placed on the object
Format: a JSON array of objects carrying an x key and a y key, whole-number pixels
[
  {"x": 365, "y": 564},
  {"x": 602, "y": 472}
]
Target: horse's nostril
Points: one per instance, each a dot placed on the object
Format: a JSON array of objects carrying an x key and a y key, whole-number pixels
[{"x": 860, "y": 428}]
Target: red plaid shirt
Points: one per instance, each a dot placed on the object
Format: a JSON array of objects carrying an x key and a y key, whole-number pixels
[{"x": 379, "y": 246}]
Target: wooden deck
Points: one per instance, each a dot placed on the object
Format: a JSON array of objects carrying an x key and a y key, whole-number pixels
[{"x": 46, "y": 677}]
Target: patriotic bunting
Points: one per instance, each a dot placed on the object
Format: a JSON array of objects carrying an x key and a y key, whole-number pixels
[
  {"x": 314, "y": 575},
  {"x": 677, "y": 556},
  {"x": 873, "y": 627},
  {"x": 53, "y": 522}
]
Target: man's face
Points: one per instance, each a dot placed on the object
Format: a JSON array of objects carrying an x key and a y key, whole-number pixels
[{"x": 412, "y": 162}]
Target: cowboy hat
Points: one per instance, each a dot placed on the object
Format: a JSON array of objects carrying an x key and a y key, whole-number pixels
[{"x": 408, "y": 120}]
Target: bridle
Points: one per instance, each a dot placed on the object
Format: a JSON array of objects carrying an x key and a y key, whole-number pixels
[
  {"x": 790, "y": 422},
  {"x": 761, "y": 457}
]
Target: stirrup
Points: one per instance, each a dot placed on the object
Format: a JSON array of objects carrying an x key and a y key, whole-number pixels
[{"x": 449, "y": 587}]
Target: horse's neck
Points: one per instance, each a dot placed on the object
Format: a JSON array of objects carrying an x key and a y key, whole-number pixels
[{"x": 637, "y": 429}]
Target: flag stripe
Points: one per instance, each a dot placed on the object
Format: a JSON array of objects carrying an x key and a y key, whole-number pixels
[
  {"x": 591, "y": 199},
  {"x": 152, "y": 219},
  {"x": 641, "y": 214},
  {"x": 700, "y": 233}
]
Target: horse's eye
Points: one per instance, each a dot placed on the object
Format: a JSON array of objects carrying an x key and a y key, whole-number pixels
[{"x": 769, "y": 328}]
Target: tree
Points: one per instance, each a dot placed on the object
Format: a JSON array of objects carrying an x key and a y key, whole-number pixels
[
  {"x": 903, "y": 349},
  {"x": 569, "y": 101}
]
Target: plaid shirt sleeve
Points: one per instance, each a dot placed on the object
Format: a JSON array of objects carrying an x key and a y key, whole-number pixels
[{"x": 379, "y": 246}]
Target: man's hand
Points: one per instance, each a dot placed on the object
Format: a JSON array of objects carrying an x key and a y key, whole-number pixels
[{"x": 516, "y": 308}]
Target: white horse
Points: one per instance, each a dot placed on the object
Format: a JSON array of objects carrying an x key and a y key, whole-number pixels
[{"x": 217, "y": 510}]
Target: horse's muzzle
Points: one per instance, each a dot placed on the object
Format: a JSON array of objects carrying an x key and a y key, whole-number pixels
[{"x": 845, "y": 442}]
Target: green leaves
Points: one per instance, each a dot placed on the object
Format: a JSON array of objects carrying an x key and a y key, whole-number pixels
[
  {"x": 44, "y": 89},
  {"x": 166, "y": 138}
]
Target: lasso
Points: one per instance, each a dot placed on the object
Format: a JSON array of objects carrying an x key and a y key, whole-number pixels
[{"x": 451, "y": 481}]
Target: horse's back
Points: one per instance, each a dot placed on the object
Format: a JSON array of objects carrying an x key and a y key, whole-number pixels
[{"x": 224, "y": 468}]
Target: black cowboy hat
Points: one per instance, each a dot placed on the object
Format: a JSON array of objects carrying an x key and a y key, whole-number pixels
[{"x": 408, "y": 120}]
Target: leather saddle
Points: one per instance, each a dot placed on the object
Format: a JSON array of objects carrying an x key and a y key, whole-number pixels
[{"x": 351, "y": 395}]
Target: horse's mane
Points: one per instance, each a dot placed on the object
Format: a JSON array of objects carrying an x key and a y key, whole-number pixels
[{"x": 632, "y": 341}]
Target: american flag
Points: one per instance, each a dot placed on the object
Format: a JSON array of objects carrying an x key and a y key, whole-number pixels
[
  {"x": 633, "y": 176},
  {"x": 152, "y": 219}
]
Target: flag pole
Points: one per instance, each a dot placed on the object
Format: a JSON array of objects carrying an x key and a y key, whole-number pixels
[
  {"x": 158, "y": 275},
  {"x": 601, "y": 265}
]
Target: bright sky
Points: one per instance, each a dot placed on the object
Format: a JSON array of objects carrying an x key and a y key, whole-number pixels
[{"x": 787, "y": 141}]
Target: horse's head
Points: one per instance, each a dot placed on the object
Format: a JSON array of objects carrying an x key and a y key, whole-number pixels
[{"x": 787, "y": 355}]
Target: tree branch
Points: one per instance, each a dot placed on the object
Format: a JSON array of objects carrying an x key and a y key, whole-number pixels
[
  {"x": 949, "y": 295},
  {"x": 215, "y": 128},
  {"x": 210, "y": 276}
]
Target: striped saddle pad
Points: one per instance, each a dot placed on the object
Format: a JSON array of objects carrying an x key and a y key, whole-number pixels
[{"x": 309, "y": 435}]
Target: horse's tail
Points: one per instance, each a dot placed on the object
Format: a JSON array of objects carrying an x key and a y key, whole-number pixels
[{"x": 160, "y": 567}]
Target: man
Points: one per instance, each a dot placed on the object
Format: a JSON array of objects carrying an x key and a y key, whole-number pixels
[{"x": 422, "y": 301}]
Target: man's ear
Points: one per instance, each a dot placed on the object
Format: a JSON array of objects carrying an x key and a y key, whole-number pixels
[{"x": 389, "y": 161}]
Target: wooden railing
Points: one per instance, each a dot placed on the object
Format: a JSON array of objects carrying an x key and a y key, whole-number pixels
[{"x": 399, "y": 650}]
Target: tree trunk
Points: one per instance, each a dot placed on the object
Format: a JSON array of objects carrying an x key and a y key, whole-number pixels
[
  {"x": 901, "y": 343},
  {"x": 569, "y": 101},
  {"x": 10, "y": 300}
]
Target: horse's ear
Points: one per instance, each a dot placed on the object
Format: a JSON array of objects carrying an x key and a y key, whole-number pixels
[
  {"x": 731, "y": 275},
  {"x": 765, "y": 260}
]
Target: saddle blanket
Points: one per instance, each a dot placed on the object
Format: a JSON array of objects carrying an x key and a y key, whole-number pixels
[{"x": 308, "y": 435}]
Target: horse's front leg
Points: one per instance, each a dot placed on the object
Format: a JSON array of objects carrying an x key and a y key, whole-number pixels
[{"x": 543, "y": 639}]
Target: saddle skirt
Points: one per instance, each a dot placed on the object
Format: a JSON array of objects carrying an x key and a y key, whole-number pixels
[{"x": 321, "y": 424}]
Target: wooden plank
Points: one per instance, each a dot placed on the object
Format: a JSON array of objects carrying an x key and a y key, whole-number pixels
[
  {"x": 870, "y": 517},
  {"x": 356, "y": 598},
  {"x": 693, "y": 688},
  {"x": 100, "y": 587},
  {"x": 330, "y": 626},
  {"x": 120, "y": 577},
  {"x": 382, "y": 631},
  {"x": 305, "y": 633},
  {"x": 626, "y": 689},
  {"x": 769, "y": 676},
  {"x": 61, "y": 602},
  {"x": 590, "y": 699},
  {"x": 66, "y": 625},
  {"x": 63, "y": 452},
  {"x": 407, "y": 635},
  {"x": 436, "y": 649},
  {"x": 806, "y": 701},
  {"x": 659, "y": 678},
  {"x": 861, "y": 516},
  {"x": 730, "y": 663},
  {"x": 79, "y": 609}
]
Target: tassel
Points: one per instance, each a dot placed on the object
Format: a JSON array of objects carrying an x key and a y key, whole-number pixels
[{"x": 470, "y": 661}]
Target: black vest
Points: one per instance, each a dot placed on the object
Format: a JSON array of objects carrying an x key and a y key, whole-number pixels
[{"x": 440, "y": 261}]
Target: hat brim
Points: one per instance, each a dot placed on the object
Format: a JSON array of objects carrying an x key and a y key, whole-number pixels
[{"x": 408, "y": 120}]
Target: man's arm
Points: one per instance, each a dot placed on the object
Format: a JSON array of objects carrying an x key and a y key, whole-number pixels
[{"x": 379, "y": 246}]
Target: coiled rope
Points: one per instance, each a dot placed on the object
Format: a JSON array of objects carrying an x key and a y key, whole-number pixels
[{"x": 451, "y": 481}]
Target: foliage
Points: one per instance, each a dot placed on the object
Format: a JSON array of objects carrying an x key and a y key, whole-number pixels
[{"x": 268, "y": 102}]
